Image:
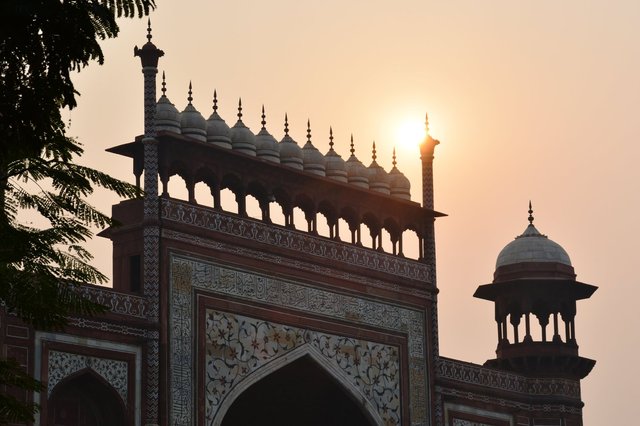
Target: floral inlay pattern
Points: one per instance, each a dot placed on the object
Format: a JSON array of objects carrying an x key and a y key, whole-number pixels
[
  {"x": 64, "y": 364},
  {"x": 237, "y": 346}
]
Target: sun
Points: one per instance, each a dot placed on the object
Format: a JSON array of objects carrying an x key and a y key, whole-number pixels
[{"x": 410, "y": 133}]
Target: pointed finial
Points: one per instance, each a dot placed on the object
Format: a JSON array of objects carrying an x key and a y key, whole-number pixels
[
  {"x": 149, "y": 30},
  {"x": 190, "y": 98},
  {"x": 263, "y": 122},
  {"x": 530, "y": 214},
  {"x": 239, "y": 109},
  {"x": 394, "y": 157},
  {"x": 286, "y": 125},
  {"x": 164, "y": 84},
  {"x": 330, "y": 138},
  {"x": 353, "y": 150},
  {"x": 215, "y": 101},
  {"x": 426, "y": 123},
  {"x": 308, "y": 131},
  {"x": 373, "y": 151}
]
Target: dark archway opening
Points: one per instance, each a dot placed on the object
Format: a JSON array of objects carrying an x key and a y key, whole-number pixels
[
  {"x": 85, "y": 400},
  {"x": 301, "y": 393}
]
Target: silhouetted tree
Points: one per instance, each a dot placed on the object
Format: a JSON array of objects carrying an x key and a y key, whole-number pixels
[{"x": 41, "y": 43}]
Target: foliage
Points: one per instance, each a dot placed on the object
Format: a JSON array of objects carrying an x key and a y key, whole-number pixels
[{"x": 41, "y": 43}]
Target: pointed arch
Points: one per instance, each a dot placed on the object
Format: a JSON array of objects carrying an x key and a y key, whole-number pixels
[
  {"x": 342, "y": 380},
  {"x": 85, "y": 397}
]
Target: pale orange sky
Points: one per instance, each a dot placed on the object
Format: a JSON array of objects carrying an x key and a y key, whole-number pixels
[{"x": 533, "y": 100}]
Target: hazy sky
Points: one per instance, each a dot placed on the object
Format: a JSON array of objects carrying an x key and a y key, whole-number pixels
[{"x": 530, "y": 100}]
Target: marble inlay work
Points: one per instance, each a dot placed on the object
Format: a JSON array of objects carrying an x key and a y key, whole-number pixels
[
  {"x": 495, "y": 379},
  {"x": 237, "y": 346},
  {"x": 64, "y": 364},
  {"x": 347, "y": 254},
  {"x": 118, "y": 303},
  {"x": 188, "y": 274}
]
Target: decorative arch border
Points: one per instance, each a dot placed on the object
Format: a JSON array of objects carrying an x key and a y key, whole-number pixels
[
  {"x": 280, "y": 362},
  {"x": 100, "y": 351},
  {"x": 189, "y": 274}
]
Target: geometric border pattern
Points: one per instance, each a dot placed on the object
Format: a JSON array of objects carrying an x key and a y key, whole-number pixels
[{"x": 188, "y": 274}]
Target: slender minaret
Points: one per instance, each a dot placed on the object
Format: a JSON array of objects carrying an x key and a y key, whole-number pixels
[
  {"x": 427, "y": 148},
  {"x": 149, "y": 55}
]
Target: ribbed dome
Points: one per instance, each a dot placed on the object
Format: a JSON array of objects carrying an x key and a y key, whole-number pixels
[
  {"x": 290, "y": 152},
  {"x": 266, "y": 145},
  {"x": 378, "y": 177},
  {"x": 218, "y": 132},
  {"x": 242, "y": 138},
  {"x": 167, "y": 117},
  {"x": 312, "y": 160},
  {"x": 357, "y": 173},
  {"x": 532, "y": 246},
  {"x": 399, "y": 184},
  {"x": 192, "y": 123},
  {"x": 335, "y": 166}
]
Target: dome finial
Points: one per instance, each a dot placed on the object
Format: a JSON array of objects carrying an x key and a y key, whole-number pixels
[
  {"x": 426, "y": 123},
  {"x": 308, "y": 131},
  {"x": 373, "y": 151},
  {"x": 239, "y": 109},
  {"x": 394, "y": 157},
  {"x": 263, "y": 122},
  {"x": 215, "y": 101},
  {"x": 286, "y": 124},
  {"x": 190, "y": 98},
  {"x": 330, "y": 138},
  {"x": 530, "y": 214},
  {"x": 353, "y": 150},
  {"x": 149, "y": 29},
  {"x": 164, "y": 84}
]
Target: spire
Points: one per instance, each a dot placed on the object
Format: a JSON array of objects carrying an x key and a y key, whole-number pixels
[
  {"x": 149, "y": 36},
  {"x": 426, "y": 123},
  {"x": 330, "y": 138},
  {"x": 164, "y": 85},
  {"x": 215, "y": 101},
  {"x": 394, "y": 157},
  {"x": 263, "y": 122},
  {"x": 240, "y": 109},
  {"x": 530, "y": 214},
  {"x": 286, "y": 125},
  {"x": 373, "y": 152},
  {"x": 308, "y": 131},
  {"x": 190, "y": 98},
  {"x": 353, "y": 150}
]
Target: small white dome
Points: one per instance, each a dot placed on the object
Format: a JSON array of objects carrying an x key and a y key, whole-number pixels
[
  {"x": 532, "y": 246},
  {"x": 312, "y": 160},
  {"x": 378, "y": 178},
  {"x": 399, "y": 184},
  {"x": 167, "y": 116},
  {"x": 192, "y": 123},
  {"x": 336, "y": 167},
  {"x": 218, "y": 132},
  {"x": 267, "y": 146},
  {"x": 242, "y": 138},
  {"x": 290, "y": 152}
]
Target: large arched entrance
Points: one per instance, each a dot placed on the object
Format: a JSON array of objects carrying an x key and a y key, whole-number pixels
[
  {"x": 85, "y": 400},
  {"x": 300, "y": 393}
]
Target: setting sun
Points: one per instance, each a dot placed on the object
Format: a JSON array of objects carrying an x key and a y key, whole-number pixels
[{"x": 410, "y": 133}]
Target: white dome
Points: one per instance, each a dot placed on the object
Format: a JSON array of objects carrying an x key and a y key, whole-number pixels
[
  {"x": 290, "y": 152},
  {"x": 242, "y": 138},
  {"x": 167, "y": 116},
  {"x": 532, "y": 246},
  {"x": 399, "y": 184},
  {"x": 192, "y": 123},
  {"x": 378, "y": 178},
  {"x": 218, "y": 132}
]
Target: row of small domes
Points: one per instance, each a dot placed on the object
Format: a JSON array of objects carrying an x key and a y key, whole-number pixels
[{"x": 287, "y": 152}]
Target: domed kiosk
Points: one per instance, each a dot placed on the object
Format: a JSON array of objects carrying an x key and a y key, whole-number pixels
[{"x": 534, "y": 278}]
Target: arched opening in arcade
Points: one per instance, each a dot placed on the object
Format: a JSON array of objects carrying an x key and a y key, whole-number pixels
[
  {"x": 300, "y": 393},
  {"x": 85, "y": 399}
]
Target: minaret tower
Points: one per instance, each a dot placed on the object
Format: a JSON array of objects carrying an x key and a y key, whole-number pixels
[
  {"x": 534, "y": 280},
  {"x": 149, "y": 55},
  {"x": 427, "y": 148}
]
